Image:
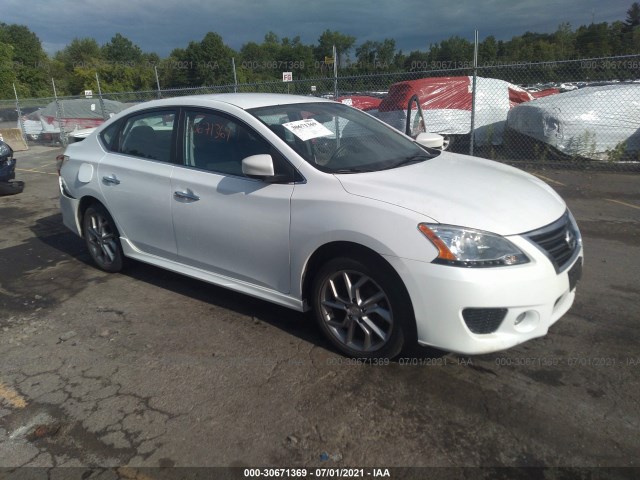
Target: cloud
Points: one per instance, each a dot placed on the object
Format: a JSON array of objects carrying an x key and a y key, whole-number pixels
[{"x": 414, "y": 24}]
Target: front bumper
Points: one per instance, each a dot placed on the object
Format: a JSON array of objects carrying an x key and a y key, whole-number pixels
[{"x": 533, "y": 294}]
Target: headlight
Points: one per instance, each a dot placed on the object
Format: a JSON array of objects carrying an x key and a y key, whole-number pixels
[{"x": 465, "y": 247}]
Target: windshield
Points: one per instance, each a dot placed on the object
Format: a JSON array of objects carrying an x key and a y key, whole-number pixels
[{"x": 336, "y": 138}]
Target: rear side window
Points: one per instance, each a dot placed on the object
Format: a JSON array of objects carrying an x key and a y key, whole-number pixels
[
  {"x": 147, "y": 135},
  {"x": 109, "y": 134}
]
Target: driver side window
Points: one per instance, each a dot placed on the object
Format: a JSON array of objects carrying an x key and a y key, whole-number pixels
[{"x": 217, "y": 143}]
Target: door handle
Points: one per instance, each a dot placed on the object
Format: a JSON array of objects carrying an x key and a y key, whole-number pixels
[
  {"x": 187, "y": 196},
  {"x": 111, "y": 179}
]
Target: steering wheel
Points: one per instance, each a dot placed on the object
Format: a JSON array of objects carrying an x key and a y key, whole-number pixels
[{"x": 343, "y": 149}]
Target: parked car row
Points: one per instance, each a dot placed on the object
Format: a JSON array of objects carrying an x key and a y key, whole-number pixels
[
  {"x": 592, "y": 121},
  {"x": 444, "y": 105}
]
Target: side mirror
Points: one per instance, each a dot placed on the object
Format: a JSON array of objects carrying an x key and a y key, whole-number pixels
[
  {"x": 430, "y": 140},
  {"x": 258, "y": 166},
  {"x": 261, "y": 167}
]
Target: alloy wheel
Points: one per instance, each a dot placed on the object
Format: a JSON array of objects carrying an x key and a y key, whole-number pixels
[
  {"x": 101, "y": 239},
  {"x": 356, "y": 311}
]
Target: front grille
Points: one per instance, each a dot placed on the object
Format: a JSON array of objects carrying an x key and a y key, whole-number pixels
[
  {"x": 483, "y": 320},
  {"x": 559, "y": 241}
]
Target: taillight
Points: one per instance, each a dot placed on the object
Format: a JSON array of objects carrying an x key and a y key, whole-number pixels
[{"x": 60, "y": 159}]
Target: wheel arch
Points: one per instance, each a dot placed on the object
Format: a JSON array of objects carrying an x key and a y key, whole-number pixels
[
  {"x": 86, "y": 202},
  {"x": 348, "y": 249},
  {"x": 368, "y": 256}
]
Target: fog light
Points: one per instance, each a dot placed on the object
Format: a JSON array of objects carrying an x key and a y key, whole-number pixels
[
  {"x": 520, "y": 318},
  {"x": 526, "y": 321}
]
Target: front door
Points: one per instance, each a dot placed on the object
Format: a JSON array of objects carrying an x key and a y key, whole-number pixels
[{"x": 224, "y": 222}]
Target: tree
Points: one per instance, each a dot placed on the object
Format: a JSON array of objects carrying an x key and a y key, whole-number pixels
[
  {"x": 617, "y": 38},
  {"x": 631, "y": 30},
  {"x": 386, "y": 51},
  {"x": 565, "y": 39},
  {"x": 173, "y": 70},
  {"x": 208, "y": 62},
  {"x": 30, "y": 62},
  {"x": 326, "y": 41},
  {"x": 366, "y": 54},
  {"x": 376, "y": 55},
  {"x": 7, "y": 73},
  {"x": 488, "y": 50},
  {"x": 267, "y": 61},
  {"x": 416, "y": 61},
  {"x": 121, "y": 50},
  {"x": 633, "y": 15},
  {"x": 593, "y": 41},
  {"x": 80, "y": 52},
  {"x": 451, "y": 52},
  {"x": 120, "y": 65},
  {"x": 295, "y": 56}
]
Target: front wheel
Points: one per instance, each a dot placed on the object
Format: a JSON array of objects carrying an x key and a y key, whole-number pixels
[
  {"x": 102, "y": 239},
  {"x": 362, "y": 308}
]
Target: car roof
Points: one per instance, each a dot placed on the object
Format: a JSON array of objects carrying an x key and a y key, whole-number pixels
[{"x": 241, "y": 100}]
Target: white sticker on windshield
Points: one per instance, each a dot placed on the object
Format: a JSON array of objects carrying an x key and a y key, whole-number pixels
[{"x": 307, "y": 129}]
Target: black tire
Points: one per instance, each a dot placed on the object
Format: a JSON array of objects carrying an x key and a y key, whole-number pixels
[
  {"x": 378, "y": 308},
  {"x": 11, "y": 188},
  {"x": 448, "y": 142},
  {"x": 102, "y": 238}
]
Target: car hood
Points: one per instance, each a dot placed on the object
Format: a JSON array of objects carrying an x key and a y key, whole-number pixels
[{"x": 465, "y": 191}]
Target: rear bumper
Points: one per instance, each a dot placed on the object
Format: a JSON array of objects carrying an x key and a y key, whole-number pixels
[{"x": 69, "y": 208}]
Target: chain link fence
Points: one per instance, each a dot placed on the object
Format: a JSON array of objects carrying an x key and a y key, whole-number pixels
[{"x": 582, "y": 114}]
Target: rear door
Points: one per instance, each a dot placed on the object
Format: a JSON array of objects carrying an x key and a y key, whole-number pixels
[{"x": 135, "y": 178}]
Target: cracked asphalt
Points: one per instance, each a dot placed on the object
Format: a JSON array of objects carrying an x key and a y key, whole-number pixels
[{"x": 152, "y": 369}]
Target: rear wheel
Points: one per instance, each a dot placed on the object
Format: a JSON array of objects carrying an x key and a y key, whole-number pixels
[
  {"x": 362, "y": 308},
  {"x": 102, "y": 239}
]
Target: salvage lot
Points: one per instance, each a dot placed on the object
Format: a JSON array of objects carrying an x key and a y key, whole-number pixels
[{"x": 150, "y": 368}]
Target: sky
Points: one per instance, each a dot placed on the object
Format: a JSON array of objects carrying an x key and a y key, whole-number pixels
[{"x": 160, "y": 26}]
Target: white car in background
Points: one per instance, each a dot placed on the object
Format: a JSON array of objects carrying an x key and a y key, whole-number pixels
[
  {"x": 595, "y": 123},
  {"x": 444, "y": 105},
  {"x": 312, "y": 204},
  {"x": 79, "y": 134},
  {"x": 411, "y": 122}
]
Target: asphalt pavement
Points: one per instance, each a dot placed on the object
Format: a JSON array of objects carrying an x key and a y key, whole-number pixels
[{"x": 148, "y": 368}]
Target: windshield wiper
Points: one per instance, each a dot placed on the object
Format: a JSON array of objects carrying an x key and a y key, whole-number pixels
[
  {"x": 417, "y": 158},
  {"x": 352, "y": 170}
]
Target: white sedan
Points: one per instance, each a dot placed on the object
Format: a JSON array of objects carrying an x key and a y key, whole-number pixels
[{"x": 312, "y": 204}]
